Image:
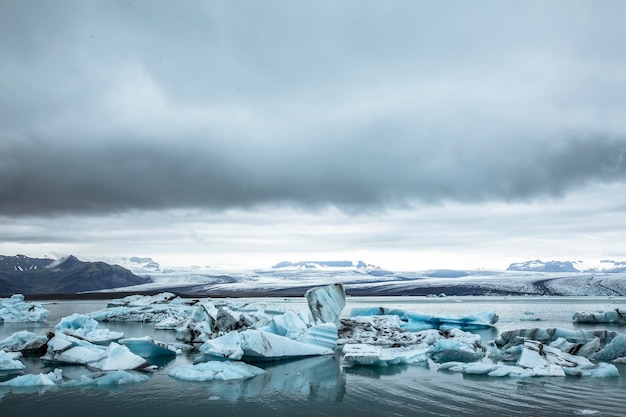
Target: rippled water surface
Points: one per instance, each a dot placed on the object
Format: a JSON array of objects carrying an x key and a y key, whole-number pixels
[{"x": 324, "y": 386}]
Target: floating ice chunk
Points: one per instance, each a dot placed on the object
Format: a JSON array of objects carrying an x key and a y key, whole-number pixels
[
  {"x": 602, "y": 370},
  {"x": 10, "y": 362},
  {"x": 16, "y": 310},
  {"x": 85, "y": 327},
  {"x": 147, "y": 347},
  {"x": 452, "y": 350},
  {"x": 31, "y": 380},
  {"x": 616, "y": 316},
  {"x": 118, "y": 357},
  {"x": 326, "y": 303},
  {"x": 416, "y": 322},
  {"x": 23, "y": 341},
  {"x": 260, "y": 345},
  {"x": 69, "y": 349},
  {"x": 363, "y": 354},
  {"x": 108, "y": 378},
  {"x": 215, "y": 370},
  {"x": 597, "y": 345}
]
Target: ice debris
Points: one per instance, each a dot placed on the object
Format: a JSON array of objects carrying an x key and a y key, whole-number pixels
[
  {"x": 596, "y": 345},
  {"x": 64, "y": 348},
  {"x": 215, "y": 370},
  {"x": 31, "y": 380},
  {"x": 259, "y": 345},
  {"x": 23, "y": 341},
  {"x": 616, "y": 316},
  {"x": 16, "y": 310},
  {"x": 85, "y": 327},
  {"x": 108, "y": 378},
  {"x": 538, "y": 359},
  {"x": 10, "y": 361},
  {"x": 412, "y": 321}
]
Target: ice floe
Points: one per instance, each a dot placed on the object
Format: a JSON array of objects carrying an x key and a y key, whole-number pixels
[
  {"x": 616, "y": 316},
  {"x": 84, "y": 327},
  {"x": 16, "y": 310},
  {"x": 68, "y": 349},
  {"x": 415, "y": 321},
  {"x": 10, "y": 361},
  {"x": 258, "y": 345},
  {"x": 147, "y": 347},
  {"x": 32, "y": 380},
  {"x": 215, "y": 370},
  {"x": 538, "y": 359},
  {"x": 108, "y": 378},
  {"x": 24, "y": 341}
]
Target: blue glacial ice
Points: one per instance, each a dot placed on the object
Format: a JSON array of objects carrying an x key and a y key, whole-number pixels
[
  {"x": 412, "y": 321},
  {"x": 85, "y": 327},
  {"x": 16, "y": 310},
  {"x": 147, "y": 347},
  {"x": 616, "y": 316}
]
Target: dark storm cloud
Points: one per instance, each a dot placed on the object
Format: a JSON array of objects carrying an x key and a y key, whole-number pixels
[{"x": 114, "y": 106}]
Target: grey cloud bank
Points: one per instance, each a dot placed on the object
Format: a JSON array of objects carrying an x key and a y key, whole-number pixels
[{"x": 119, "y": 108}]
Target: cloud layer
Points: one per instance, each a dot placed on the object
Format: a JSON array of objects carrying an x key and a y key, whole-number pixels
[{"x": 116, "y": 106}]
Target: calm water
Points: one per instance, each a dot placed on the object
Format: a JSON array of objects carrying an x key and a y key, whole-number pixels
[{"x": 323, "y": 386}]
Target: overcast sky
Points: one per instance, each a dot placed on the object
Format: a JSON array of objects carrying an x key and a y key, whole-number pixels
[{"x": 413, "y": 135}]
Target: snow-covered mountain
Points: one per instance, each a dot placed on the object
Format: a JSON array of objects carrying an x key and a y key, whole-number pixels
[{"x": 540, "y": 266}]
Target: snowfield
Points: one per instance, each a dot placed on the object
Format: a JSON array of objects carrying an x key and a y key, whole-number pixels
[{"x": 366, "y": 281}]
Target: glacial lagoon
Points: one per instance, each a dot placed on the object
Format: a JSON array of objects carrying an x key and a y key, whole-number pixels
[{"x": 326, "y": 385}]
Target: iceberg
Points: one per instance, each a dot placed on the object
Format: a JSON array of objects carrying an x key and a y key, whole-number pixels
[
  {"x": 412, "y": 321},
  {"x": 10, "y": 362},
  {"x": 215, "y": 370},
  {"x": 109, "y": 378},
  {"x": 616, "y": 316},
  {"x": 64, "y": 348},
  {"x": 16, "y": 310},
  {"x": 24, "y": 341},
  {"x": 259, "y": 345},
  {"x": 537, "y": 360},
  {"x": 147, "y": 347},
  {"x": 85, "y": 327},
  {"x": 364, "y": 354},
  {"x": 31, "y": 380},
  {"x": 326, "y": 303},
  {"x": 596, "y": 345}
]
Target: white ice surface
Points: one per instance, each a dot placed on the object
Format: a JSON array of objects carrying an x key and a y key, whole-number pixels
[
  {"x": 16, "y": 310},
  {"x": 215, "y": 370}
]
